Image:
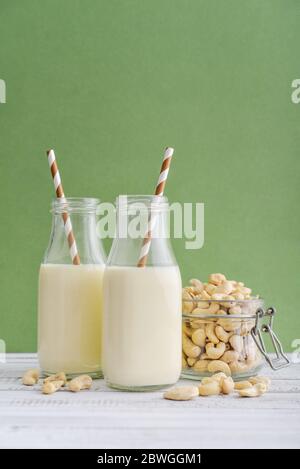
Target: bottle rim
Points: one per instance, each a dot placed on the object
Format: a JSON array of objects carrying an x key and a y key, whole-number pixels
[
  {"x": 74, "y": 204},
  {"x": 258, "y": 301},
  {"x": 142, "y": 202}
]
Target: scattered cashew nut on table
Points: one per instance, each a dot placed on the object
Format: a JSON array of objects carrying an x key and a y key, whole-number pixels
[
  {"x": 217, "y": 384},
  {"x": 80, "y": 382},
  {"x": 182, "y": 393},
  {"x": 54, "y": 382},
  {"x": 50, "y": 387},
  {"x": 31, "y": 377}
]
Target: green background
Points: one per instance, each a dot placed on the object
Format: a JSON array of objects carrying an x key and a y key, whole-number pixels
[{"x": 109, "y": 84}]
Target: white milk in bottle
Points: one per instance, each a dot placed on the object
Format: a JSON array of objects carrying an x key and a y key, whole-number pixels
[
  {"x": 142, "y": 326},
  {"x": 70, "y": 318},
  {"x": 142, "y": 305}
]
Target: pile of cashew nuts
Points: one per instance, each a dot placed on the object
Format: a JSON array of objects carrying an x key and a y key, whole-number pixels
[
  {"x": 55, "y": 382},
  {"x": 220, "y": 383},
  {"x": 220, "y": 339}
]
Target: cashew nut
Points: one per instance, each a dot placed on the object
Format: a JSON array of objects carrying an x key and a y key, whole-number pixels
[
  {"x": 225, "y": 382},
  {"x": 210, "y": 332},
  {"x": 201, "y": 365},
  {"x": 246, "y": 291},
  {"x": 80, "y": 382},
  {"x": 187, "y": 303},
  {"x": 216, "y": 279},
  {"x": 197, "y": 284},
  {"x": 227, "y": 385},
  {"x": 236, "y": 309},
  {"x": 236, "y": 342},
  {"x": 226, "y": 288},
  {"x": 197, "y": 323},
  {"x": 227, "y": 301},
  {"x": 205, "y": 295},
  {"x": 215, "y": 352},
  {"x": 218, "y": 365},
  {"x": 238, "y": 295},
  {"x": 222, "y": 334},
  {"x": 49, "y": 387},
  {"x": 210, "y": 288},
  {"x": 218, "y": 296},
  {"x": 198, "y": 337},
  {"x": 57, "y": 377},
  {"x": 186, "y": 329},
  {"x": 211, "y": 309},
  {"x": 230, "y": 356},
  {"x": 210, "y": 388},
  {"x": 216, "y": 377},
  {"x": 260, "y": 379},
  {"x": 242, "y": 385},
  {"x": 31, "y": 377},
  {"x": 182, "y": 393},
  {"x": 255, "y": 391},
  {"x": 238, "y": 367},
  {"x": 202, "y": 305},
  {"x": 229, "y": 324},
  {"x": 219, "y": 376},
  {"x": 191, "y": 350},
  {"x": 191, "y": 361},
  {"x": 183, "y": 362}
]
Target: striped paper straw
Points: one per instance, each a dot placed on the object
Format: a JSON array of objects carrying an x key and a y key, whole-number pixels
[
  {"x": 159, "y": 191},
  {"x": 60, "y": 195}
]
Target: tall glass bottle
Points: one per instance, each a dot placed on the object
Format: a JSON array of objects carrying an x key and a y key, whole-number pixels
[
  {"x": 142, "y": 305},
  {"x": 70, "y": 296}
]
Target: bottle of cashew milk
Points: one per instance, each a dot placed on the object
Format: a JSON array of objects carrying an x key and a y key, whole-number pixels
[
  {"x": 142, "y": 299},
  {"x": 70, "y": 291}
]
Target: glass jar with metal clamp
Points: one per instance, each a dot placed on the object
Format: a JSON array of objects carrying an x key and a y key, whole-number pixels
[{"x": 229, "y": 338}]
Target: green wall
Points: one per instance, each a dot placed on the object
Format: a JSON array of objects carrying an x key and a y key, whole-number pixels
[{"x": 108, "y": 84}]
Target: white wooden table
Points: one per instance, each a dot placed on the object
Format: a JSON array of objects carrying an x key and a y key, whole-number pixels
[{"x": 103, "y": 418}]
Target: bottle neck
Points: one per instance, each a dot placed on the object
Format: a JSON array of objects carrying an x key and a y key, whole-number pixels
[
  {"x": 141, "y": 219},
  {"x": 84, "y": 229}
]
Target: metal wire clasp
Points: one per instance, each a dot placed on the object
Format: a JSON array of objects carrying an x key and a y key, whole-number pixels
[{"x": 281, "y": 359}]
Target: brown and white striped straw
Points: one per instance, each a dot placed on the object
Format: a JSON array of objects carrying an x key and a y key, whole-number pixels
[
  {"x": 66, "y": 219},
  {"x": 159, "y": 191}
]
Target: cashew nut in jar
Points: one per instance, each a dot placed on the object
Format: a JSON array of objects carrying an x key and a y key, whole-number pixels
[
  {"x": 189, "y": 348},
  {"x": 197, "y": 284},
  {"x": 210, "y": 333},
  {"x": 198, "y": 337},
  {"x": 187, "y": 303},
  {"x": 230, "y": 356},
  {"x": 222, "y": 334},
  {"x": 218, "y": 332},
  {"x": 217, "y": 365},
  {"x": 201, "y": 365},
  {"x": 213, "y": 351}
]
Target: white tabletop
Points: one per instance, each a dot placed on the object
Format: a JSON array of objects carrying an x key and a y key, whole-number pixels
[{"x": 104, "y": 418}]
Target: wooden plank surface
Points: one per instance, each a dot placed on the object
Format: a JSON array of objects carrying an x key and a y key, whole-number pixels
[{"x": 104, "y": 418}]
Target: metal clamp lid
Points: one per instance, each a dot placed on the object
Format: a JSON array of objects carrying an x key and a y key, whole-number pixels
[{"x": 281, "y": 359}]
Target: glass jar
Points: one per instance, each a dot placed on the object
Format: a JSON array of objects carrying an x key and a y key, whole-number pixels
[
  {"x": 142, "y": 305},
  {"x": 70, "y": 296},
  {"x": 226, "y": 336}
]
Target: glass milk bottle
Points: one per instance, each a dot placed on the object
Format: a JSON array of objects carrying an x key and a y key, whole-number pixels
[
  {"x": 70, "y": 296},
  {"x": 142, "y": 305}
]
